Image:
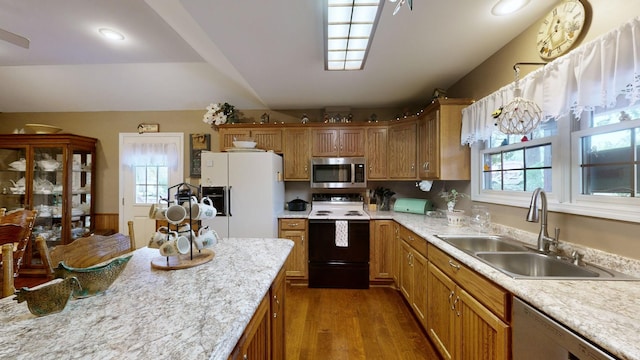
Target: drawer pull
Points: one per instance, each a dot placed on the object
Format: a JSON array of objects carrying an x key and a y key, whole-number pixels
[
  {"x": 454, "y": 265},
  {"x": 293, "y": 224}
]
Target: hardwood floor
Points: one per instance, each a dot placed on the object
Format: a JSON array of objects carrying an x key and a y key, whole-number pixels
[{"x": 352, "y": 324}]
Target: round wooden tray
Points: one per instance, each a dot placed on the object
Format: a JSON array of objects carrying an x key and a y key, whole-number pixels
[{"x": 182, "y": 261}]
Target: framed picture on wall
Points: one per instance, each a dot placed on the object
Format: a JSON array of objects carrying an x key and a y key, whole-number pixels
[{"x": 197, "y": 143}]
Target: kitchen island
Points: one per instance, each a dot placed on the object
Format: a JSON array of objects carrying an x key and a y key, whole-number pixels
[{"x": 195, "y": 313}]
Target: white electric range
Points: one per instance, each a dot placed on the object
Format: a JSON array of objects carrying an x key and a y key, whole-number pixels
[{"x": 337, "y": 207}]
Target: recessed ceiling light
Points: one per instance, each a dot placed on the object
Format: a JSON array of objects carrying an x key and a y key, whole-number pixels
[
  {"x": 506, "y": 7},
  {"x": 111, "y": 34}
]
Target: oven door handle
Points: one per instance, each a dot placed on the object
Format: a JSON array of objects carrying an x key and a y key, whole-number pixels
[
  {"x": 229, "y": 196},
  {"x": 353, "y": 173}
]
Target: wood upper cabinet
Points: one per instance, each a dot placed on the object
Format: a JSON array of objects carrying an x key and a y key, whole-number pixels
[
  {"x": 267, "y": 139},
  {"x": 402, "y": 151},
  {"x": 468, "y": 314},
  {"x": 296, "y": 154},
  {"x": 441, "y": 156},
  {"x": 338, "y": 142},
  {"x": 377, "y": 153},
  {"x": 382, "y": 249}
]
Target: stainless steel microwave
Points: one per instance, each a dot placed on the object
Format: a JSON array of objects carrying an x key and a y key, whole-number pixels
[{"x": 338, "y": 172}]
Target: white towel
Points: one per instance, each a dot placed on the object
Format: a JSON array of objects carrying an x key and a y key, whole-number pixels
[{"x": 342, "y": 233}]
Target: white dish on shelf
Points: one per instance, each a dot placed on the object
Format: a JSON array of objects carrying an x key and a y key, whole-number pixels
[
  {"x": 42, "y": 128},
  {"x": 245, "y": 144},
  {"x": 233, "y": 149}
]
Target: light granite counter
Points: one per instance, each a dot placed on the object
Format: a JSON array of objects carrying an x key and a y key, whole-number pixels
[
  {"x": 195, "y": 313},
  {"x": 605, "y": 312}
]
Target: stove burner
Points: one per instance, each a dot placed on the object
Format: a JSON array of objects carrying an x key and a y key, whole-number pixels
[
  {"x": 323, "y": 212},
  {"x": 353, "y": 213}
]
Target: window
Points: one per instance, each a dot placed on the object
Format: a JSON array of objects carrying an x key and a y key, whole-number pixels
[
  {"x": 151, "y": 183},
  {"x": 588, "y": 166}
]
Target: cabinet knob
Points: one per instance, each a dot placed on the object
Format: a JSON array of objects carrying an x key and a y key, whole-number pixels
[{"x": 454, "y": 265}]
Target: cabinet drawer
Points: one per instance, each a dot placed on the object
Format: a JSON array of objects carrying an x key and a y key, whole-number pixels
[
  {"x": 293, "y": 224},
  {"x": 416, "y": 242},
  {"x": 485, "y": 291}
]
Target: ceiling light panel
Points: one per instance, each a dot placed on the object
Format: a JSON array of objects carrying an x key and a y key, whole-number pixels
[{"x": 349, "y": 27}]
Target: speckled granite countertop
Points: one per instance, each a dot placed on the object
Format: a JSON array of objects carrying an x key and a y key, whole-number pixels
[
  {"x": 195, "y": 313},
  {"x": 606, "y": 312}
]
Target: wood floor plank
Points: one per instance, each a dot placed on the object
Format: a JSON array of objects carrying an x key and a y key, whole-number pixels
[{"x": 352, "y": 324}]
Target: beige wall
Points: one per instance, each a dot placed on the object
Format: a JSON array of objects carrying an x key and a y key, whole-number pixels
[
  {"x": 106, "y": 127},
  {"x": 608, "y": 235}
]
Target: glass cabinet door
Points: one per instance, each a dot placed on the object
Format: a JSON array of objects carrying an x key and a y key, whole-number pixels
[
  {"x": 81, "y": 189},
  {"x": 48, "y": 187},
  {"x": 13, "y": 165}
]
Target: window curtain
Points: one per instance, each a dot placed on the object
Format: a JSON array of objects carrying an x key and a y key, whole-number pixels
[
  {"x": 141, "y": 154},
  {"x": 591, "y": 76}
]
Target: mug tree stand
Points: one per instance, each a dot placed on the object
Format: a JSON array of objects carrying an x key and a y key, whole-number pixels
[{"x": 194, "y": 257}]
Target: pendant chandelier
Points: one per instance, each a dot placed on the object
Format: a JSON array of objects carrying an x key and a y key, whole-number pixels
[{"x": 520, "y": 116}]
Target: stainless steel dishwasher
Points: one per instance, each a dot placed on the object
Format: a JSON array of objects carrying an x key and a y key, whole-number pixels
[{"x": 537, "y": 336}]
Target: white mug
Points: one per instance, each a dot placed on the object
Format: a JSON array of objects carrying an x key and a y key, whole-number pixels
[
  {"x": 185, "y": 229},
  {"x": 206, "y": 238},
  {"x": 203, "y": 210},
  {"x": 157, "y": 212},
  {"x": 173, "y": 247},
  {"x": 161, "y": 236},
  {"x": 175, "y": 214}
]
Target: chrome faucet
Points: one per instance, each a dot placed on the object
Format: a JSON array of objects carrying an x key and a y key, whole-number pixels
[{"x": 544, "y": 240}]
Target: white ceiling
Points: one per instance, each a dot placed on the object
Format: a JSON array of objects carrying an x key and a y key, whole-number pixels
[{"x": 254, "y": 54}]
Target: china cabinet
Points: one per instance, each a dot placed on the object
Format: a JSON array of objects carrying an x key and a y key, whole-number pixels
[{"x": 53, "y": 174}]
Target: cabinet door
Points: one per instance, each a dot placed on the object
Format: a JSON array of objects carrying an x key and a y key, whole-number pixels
[
  {"x": 432, "y": 160},
  {"x": 255, "y": 343},
  {"x": 420, "y": 279},
  {"x": 351, "y": 142},
  {"x": 381, "y": 250},
  {"x": 441, "y": 319},
  {"x": 324, "y": 142},
  {"x": 296, "y": 153},
  {"x": 377, "y": 153},
  {"x": 402, "y": 151},
  {"x": 228, "y": 134},
  {"x": 278, "y": 289},
  {"x": 481, "y": 334},
  {"x": 423, "y": 150},
  {"x": 396, "y": 259},
  {"x": 406, "y": 270},
  {"x": 268, "y": 139},
  {"x": 296, "y": 265}
]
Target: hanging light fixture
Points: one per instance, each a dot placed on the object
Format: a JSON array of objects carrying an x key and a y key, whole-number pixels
[{"x": 520, "y": 116}]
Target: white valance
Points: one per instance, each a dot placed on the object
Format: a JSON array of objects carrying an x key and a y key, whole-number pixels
[
  {"x": 590, "y": 76},
  {"x": 141, "y": 154}
]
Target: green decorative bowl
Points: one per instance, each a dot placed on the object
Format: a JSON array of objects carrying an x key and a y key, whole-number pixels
[
  {"x": 94, "y": 279},
  {"x": 50, "y": 298}
]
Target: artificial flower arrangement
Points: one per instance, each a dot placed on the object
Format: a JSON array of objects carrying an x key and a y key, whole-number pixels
[
  {"x": 452, "y": 197},
  {"x": 219, "y": 113}
]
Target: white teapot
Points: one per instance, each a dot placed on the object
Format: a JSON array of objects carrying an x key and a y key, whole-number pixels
[
  {"x": 48, "y": 165},
  {"x": 20, "y": 165}
]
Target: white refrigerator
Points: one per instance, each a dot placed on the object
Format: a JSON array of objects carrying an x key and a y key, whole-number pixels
[{"x": 252, "y": 188}]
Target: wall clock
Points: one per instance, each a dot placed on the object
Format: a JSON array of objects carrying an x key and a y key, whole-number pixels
[{"x": 560, "y": 28}]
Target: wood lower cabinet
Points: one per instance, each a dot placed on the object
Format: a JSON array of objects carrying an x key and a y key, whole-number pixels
[
  {"x": 295, "y": 230},
  {"x": 277, "y": 292},
  {"x": 263, "y": 338},
  {"x": 255, "y": 342},
  {"x": 296, "y": 154},
  {"x": 468, "y": 317},
  {"x": 382, "y": 250},
  {"x": 413, "y": 272}
]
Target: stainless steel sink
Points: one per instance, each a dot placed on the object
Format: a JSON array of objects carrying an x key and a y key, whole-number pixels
[
  {"x": 482, "y": 243},
  {"x": 534, "y": 265},
  {"x": 521, "y": 262}
]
